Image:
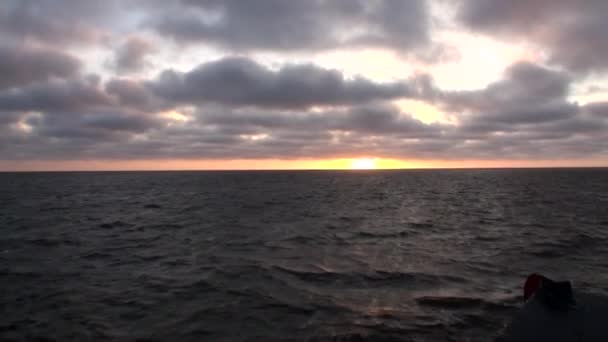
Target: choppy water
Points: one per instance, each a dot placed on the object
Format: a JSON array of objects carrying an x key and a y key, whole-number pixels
[{"x": 290, "y": 256}]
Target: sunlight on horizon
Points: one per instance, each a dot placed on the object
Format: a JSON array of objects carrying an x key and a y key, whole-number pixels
[
  {"x": 363, "y": 164},
  {"x": 279, "y": 164}
]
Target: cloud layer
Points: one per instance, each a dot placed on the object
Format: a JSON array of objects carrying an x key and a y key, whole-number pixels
[
  {"x": 243, "y": 82},
  {"x": 60, "y": 100},
  {"x": 296, "y": 25},
  {"x": 573, "y": 31},
  {"x": 21, "y": 66}
]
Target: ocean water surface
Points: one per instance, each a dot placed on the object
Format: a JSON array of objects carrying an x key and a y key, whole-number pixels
[{"x": 420, "y": 255}]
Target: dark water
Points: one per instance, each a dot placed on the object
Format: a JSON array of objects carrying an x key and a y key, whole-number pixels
[{"x": 290, "y": 256}]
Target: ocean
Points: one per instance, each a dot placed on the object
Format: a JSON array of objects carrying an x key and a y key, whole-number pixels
[{"x": 409, "y": 255}]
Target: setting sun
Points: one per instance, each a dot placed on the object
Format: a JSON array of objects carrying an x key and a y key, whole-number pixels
[{"x": 363, "y": 164}]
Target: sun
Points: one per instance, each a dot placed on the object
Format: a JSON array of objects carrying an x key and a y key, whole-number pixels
[{"x": 363, "y": 164}]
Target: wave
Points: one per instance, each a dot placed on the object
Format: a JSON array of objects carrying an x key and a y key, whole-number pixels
[
  {"x": 115, "y": 224},
  {"x": 454, "y": 303},
  {"x": 565, "y": 246},
  {"x": 378, "y": 278},
  {"x": 383, "y": 235}
]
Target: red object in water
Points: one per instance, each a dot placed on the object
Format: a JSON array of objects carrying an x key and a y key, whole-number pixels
[{"x": 533, "y": 283}]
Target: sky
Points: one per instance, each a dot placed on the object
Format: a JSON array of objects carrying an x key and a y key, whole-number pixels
[{"x": 316, "y": 84}]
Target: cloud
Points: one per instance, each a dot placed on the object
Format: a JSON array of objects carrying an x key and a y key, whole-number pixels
[
  {"x": 297, "y": 25},
  {"x": 243, "y": 82},
  {"x": 53, "y": 22},
  {"x": 597, "y": 109},
  {"x": 54, "y": 95},
  {"x": 528, "y": 94},
  {"x": 218, "y": 133},
  {"x": 8, "y": 118},
  {"x": 21, "y": 65},
  {"x": 237, "y": 108},
  {"x": 573, "y": 31},
  {"x": 224, "y": 133},
  {"x": 527, "y": 113},
  {"x": 524, "y": 84},
  {"x": 133, "y": 94},
  {"x": 371, "y": 119},
  {"x": 95, "y": 126},
  {"x": 81, "y": 135},
  {"x": 131, "y": 56}
]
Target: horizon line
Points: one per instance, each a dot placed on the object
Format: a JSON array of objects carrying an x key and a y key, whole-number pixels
[{"x": 311, "y": 169}]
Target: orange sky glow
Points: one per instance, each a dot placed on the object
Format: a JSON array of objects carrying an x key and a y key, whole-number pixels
[{"x": 282, "y": 164}]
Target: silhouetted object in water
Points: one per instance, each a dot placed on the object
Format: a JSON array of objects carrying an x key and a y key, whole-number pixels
[
  {"x": 553, "y": 312},
  {"x": 555, "y": 295}
]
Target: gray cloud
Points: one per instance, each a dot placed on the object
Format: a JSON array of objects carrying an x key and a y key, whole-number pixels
[
  {"x": 597, "y": 109},
  {"x": 232, "y": 24},
  {"x": 131, "y": 56},
  {"x": 371, "y": 120},
  {"x": 20, "y": 65},
  {"x": 68, "y": 135},
  {"x": 93, "y": 126},
  {"x": 534, "y": 114},
  {"x": 243, "y": 82},
  {"x": 524, "y": 84},
  {"x": 381, "y": 130},
  {"x": 55, "y": 21},
  {"x": 232, "y": 82},
  {"x": 55, "y": 95},
  {"x": 297, "y": 25},
  {"x": 219, "y": 132},
  {"x": 238, "y": 108},
  {"x": 525, "y": 113},
  {"x": 7, "y": 118},
  {"x": 245, "y": 110},
  {"x": 573, "y": 31},
  {"x": 133, "y": 94},
  {"x": 527, "y": 95}
]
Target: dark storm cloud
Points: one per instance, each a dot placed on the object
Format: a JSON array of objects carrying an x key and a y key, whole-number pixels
[
  {"x": 21, "y": 65},
  {"x": 297, "y": 25},
  {"x": 243, "y": 82},
  {"x": 573, "y": 31},
  {"x": 131, "y": 56}
]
